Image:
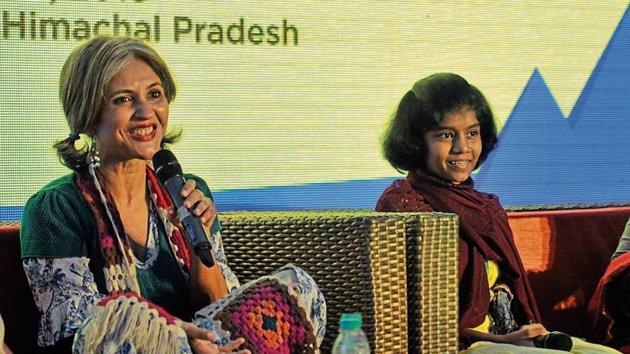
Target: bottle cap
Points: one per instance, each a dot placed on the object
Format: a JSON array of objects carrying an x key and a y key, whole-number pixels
[{"x": 350, "y": 321}]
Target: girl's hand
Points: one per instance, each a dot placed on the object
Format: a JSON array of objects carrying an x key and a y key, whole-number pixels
[
  {"x": 524, "y": 333},
  {"x": 202, "y": 341}
]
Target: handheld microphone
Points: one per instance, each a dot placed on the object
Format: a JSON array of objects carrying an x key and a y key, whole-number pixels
[{"x": 170, "y": 175}]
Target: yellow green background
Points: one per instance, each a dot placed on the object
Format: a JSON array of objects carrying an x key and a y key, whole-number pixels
[{"x": 256, "y": 116}]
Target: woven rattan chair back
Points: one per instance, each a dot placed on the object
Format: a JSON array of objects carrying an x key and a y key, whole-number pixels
[{"x": 360, "y": 260}]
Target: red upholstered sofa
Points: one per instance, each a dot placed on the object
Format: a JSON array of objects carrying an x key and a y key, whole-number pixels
[{"x": 564, "y": 251}]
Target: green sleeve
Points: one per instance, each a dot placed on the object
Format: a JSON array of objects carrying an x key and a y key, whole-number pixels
[
  {"x": 56, "y": 221},
  {"x": 201, "y": 184}
]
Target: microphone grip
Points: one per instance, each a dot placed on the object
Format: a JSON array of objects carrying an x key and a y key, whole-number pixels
[
  {"x": 204, "y": 251},
  {"x": 192, "y": 224}
]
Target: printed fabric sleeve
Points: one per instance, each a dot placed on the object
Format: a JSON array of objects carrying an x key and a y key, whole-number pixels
[
  {"x": 217, "y": 242},
  {"x": 65, "y": 294},
  {"x": 219, "y": 255}
]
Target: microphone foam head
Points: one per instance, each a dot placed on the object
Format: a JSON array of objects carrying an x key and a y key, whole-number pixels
[{"x": 166, "y": 165}]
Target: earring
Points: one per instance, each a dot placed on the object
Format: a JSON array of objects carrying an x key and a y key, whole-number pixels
[
  {"x": 92, "y": 157},
  {"x": 72, "y": 137}
]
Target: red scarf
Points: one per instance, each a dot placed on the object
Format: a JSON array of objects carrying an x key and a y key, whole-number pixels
[{"x": 484, "y": 234}]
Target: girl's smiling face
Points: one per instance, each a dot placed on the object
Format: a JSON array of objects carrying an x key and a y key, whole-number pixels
[{"x": 453, "y": 148}]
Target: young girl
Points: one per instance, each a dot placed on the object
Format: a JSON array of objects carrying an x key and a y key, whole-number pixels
[{"x": 442, "y": 131}]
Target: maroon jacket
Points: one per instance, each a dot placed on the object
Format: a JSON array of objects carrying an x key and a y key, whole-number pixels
[{"x": 484, "y": 234}]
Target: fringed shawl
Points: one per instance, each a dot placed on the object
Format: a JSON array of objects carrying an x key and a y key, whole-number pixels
[{"x": 125, "y": 316}]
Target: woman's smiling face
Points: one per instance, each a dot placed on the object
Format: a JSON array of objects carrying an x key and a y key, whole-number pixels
[
  {"x": 453, "y": 148},
  {"x": 134, "y": 117}
]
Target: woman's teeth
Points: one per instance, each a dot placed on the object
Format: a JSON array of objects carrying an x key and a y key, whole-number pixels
[{"x": 142, "y": 131}]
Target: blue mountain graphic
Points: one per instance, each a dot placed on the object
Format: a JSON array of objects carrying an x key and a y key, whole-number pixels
[{"x": 544, "y": 158}]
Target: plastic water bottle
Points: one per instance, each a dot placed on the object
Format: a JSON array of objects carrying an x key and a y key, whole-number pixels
[{"x": 351, "y": 338}]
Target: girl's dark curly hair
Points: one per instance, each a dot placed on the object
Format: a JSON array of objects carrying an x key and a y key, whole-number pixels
[{"x": 422, "y": 109}]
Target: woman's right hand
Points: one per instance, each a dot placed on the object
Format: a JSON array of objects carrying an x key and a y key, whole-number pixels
[{"x": 202, "y": 341}]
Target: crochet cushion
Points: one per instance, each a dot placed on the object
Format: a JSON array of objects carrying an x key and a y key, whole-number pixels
[{"x": 269, "y": 318}]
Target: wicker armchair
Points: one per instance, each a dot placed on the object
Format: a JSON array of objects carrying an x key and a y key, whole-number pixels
[{"x": 398, "y": 269}]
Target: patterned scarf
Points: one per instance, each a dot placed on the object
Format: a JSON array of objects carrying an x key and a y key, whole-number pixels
[
  {"x": 119, "y": 268},
  {"x": 265, "y": 312}
]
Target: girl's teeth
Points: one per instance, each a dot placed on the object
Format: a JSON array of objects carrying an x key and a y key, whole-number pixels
[{"x": 458, "y": 163}]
